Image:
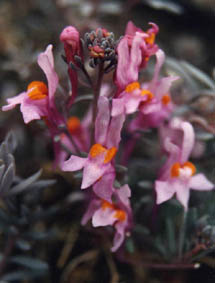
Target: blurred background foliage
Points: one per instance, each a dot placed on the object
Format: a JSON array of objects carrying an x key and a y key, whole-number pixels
[{"x": 41, "y": 236}]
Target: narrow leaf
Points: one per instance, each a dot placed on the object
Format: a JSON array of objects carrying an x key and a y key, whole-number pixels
[
  {"x": 21, "y": 275},
  {"x": 198, "y": 74},
  {"x": 7, "y": 178},
  {"x": 170, "y": 233},
  {"x": 25, "y": 184},
  {"x": 11, "y": 141},
  {"x": 2, "y": 167},
  {"x": 30, "y": 262}
]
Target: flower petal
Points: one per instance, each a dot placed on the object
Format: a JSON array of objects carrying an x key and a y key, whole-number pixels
[
  {"x": 124, "y": 193},
  {"x": 200, "y": 183},
  {"x": 123, "y": 63},
  {"x": 93, "y": 170},
  {"x": 114, "y": 132},
  {"x": 46, "y": 62},
  {"x": 74, "y": 163},
  {"x": 32, "y": 110},
  {"x": 102, "y": 120},
  {"x": 164, "y": 191},
  {"x": 13, "y": 101},
  {"x": 188, "y": 137},
  {"x": 135, "y": 59},
  {"x": 160, "y": 57},
  {"x": 182, "y": 193},
  {"x": 104, "y": 187},
  {"x": 119, "y": 235},
  {"x": 132, "y": 103},
  {"x": 188, "y": 141},
  {"x": 118, "y": 106},
  {"x": 131, "y": 28},
  {"x": 103, "y": 217}
]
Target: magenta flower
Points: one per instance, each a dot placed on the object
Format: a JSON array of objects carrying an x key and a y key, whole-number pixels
[
  {"x": 130, "y": 93},
  {"x": 117, "y": 214},
  {"x": 148, "y": 46},
  {"x": 100, "y": 158},
  {"x": 152, "y": 99},
  {"x": 38, "y": 100},
  {"x": 178, "y": 174},
  {"x": 72, "y": 46}
]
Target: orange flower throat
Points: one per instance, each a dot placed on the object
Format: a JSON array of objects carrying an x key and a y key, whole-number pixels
[
  {"x": 37, "y": 90},
  {"x": 73, "y": 124},
  {"x": 136, "y": 85},
  {"x": 175, "y": 169},
  {"x": 119, "y": 214},
  {"x": 98, "y": 149}
]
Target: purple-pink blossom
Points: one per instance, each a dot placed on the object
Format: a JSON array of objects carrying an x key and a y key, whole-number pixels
[
  {"x": 177, "y": 176},
  {"x": 38, "y": 100},
  {"x": 117, "y": 214},
  {"x": 151, "y": 98},
  {"x": 99, "y": 161},
  {"x": 72, "y": 45}
]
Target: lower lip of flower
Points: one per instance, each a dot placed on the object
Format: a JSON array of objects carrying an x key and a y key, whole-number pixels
[{"x": 37, "y": 90}]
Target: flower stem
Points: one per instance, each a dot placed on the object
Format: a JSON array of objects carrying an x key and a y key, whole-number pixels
[
  {"x": 182, "y": 234},
  {"x": 73, "y": 142},
  {"x": 97, "y": 88}
]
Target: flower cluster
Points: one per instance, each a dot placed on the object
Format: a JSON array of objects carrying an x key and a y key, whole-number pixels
[{"x": 92, "y": 144}]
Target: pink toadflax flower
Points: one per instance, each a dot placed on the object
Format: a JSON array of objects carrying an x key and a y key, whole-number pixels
[
  {"x": 130, "y": 92},
  {"x": 38, "y": 100},
  {"x": 117, "y": 214},
  {"x": 97, "y": 167},
  {"x": 148, "y": 46},
  {"x": 72, "y": 46},
  {"x": 178, "y": 174},
  {"x": 152, "y": 99},
  {"x": 133, "y": 50},
  {"x": 160, "y": 106}
]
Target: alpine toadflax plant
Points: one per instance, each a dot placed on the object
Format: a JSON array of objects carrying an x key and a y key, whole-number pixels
[{"x": 105, "y": 135}]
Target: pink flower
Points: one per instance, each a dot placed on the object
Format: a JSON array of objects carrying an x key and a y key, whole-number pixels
[
  {"x": 129, "y": 60},
  {"x": 134, "y": 50},
  {"x": 153, "y": 98},
  {"x": 130, "y": 99},
  {"x": 160, "y": 106},
  {"x": 117, "y": 214},
  {"x": 100, "y": 158},
  {"x": 178, "y": 174},
  {"x": 72, "y": 46},
  {"x": 38, "y": 100},
  {"x": 148, "y": 47}
]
